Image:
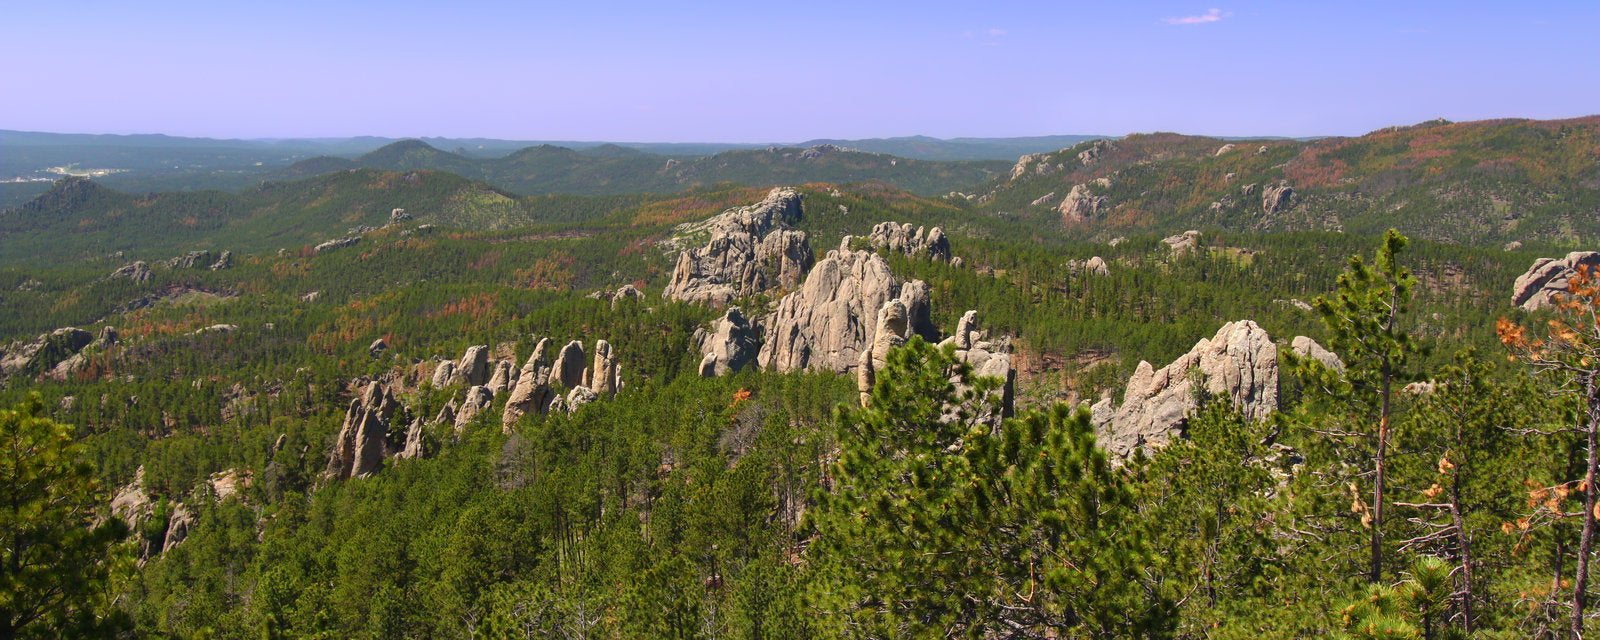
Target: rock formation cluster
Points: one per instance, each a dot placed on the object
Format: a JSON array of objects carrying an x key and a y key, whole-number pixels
[
  {"x": 1547, "y": 277},
  {"x": 1240, "y": 362},
  {"x": 751, "y": 249},
  {"x": 1082, "y": 205},
  {"x": 911, "y": 241},
  {"x": 364, "y": 438}
]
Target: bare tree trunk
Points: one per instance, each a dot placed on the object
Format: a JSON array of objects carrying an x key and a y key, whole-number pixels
[
  {"x": 1580, "y": 584},
  {"x": 1465, "y": 543},
  {"x": 1376, "y": 569}
]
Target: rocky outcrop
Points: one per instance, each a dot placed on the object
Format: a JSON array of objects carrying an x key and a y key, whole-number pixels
[
  {"x": 1277, "y": 198},
  {"x": 363, "y": 440},
  {"x": 1224, "y": 149},
  {"x": 570, "y": 365},
  {"x": 443, "y": 374},
  {"x": 473, "y": 370},
  {"x": 626, "y": 293},
  {"x": 603, "y": 375},
  {"x": 1097, "y": 266},
  {"x": 532, "y": 392},
  {"x": 830, "y": 319},
  {"x": 1186, "y": 242},
  {"x": 178, "y": 525},
  {"x": 138, "y": 272},
  {"x": 1240, "y": 362},
  {"x": 1547, "y": 277},
  {"x": 478, "y": 399},
  {"x": 1082, "y": 205},
  {"x": 377, "y": 347},
  {"x": 76, "y": 362},
  {"x": 914, "y": 242},
  {"x": 988, "y": 360},
  {"x": 135, "y": 508},
  {"x": 414, "y": 447},
  {"x": 1307, "y": 348},
  {"x": 190, "y": 260},
  {"x": 732, "y": 343},
  {"x": 224, "y": 261},
  {"x": 501, "y": 379},
  {"x": 339, "y": 243},
  {"x": 44, "y": 353},
  {"x": 751, "y": 250},
  {"x": 1096, "y": 149}
]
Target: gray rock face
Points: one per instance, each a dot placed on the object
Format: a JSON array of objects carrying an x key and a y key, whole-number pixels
[
  {"x": 911, "y": 241},
  {"x": 224, "y": 261},
  {"x": 732, "y": 344},
  {"x": 1182, "y": 243},
  {"x": 1307, "y": 348},
  {"x": 133, "y": 506},
  {"x": 751, "y": 250},
  {"x": 377, "y": 347},
  {"x": 178, "y": 525},
  {"x": 1082, "y": 205},
  {"x": 1240, "y": 362},
  {"x": 1097, "y": 266},
  {"x": 1547, "y": 277},
  {"x": 414, "y": 442},
  {"x": 190, "y": 260},
  {"x": 363, "y": 440},
  {"x": 443, "y": 374},
  {"x": 339, "y": 243},
  {"x": 626, "y": 293},
  {"x": 1096, "y": 149},
  {"x": 579, "y": 396},
  {"x": 1224, "y": 149},
  {"x": 500, "y": 380},
  {"x": 1277, "y": 198},
  {"x": 478, "y": 399},
  {"x": 603, "y": 375},
  {"x": 830, "y": 319},
  {"x": 1021, "y": 167},
  {"x": 570, "y": 364},
  {"x": 473, "y": 370},
  {"x": 45, "y": 353},
  {"x": 137, "y": 272},
  {"x": 532, "y": 392}
]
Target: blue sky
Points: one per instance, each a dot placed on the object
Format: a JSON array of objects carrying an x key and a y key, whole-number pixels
[{"x": 787, "y": 71}]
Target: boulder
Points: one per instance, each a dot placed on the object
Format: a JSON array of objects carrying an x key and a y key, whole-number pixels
[
  {"x": 1224, "y": 149},
  {"x": 732, "y": 344},
  {"x": 377, "y": 347},
  {"x": 751, "y": 250},
  {"x": 1547, "y": 277},
  {"x": 532, "y": 392},
  {"x": 626, "y": 293},
  {"x": 579, "y": 396},
  {"x": 569, "y": 366},
  {"x": 139, "y": 271},
  {"x": 1097, "y": 266},
  {"x": 830, "y": 319},
  {"x": 1307, "y": 348},
  {"x": 911, "y": 241},
  {"x": 1240, "y": 362}
]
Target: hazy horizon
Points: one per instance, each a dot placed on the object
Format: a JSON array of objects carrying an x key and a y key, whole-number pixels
[{"x": 752, "y": 74}]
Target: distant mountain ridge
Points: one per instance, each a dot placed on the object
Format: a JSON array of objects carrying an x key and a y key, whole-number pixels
[{"x": 614, "y": 169}]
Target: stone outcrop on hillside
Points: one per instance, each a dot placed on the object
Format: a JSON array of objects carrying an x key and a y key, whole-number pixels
[
  {"x": 190, "y": 260},
  {"x": 911, "y": 241},
  {"x": 338, "y": 243},
  {"x": 732, "y": 343},
  {"x": 1277, "y": 198},
  {"x": 570, "y": 368},
  {"x": 1549, "y": 276},
  {"x": 830, "y": 319},
  {"x": 139, "y": 271},
  {"x": 988, "y": 360},
  {"x": 224, "y": 261},
  {"x": 443, "y": 374},
  {"x": 473, "y": 370},
  {"x": 1096, "y": 149},
  {"x": 1082, "y": 205},
  {"x": 1307, "y": 348},
  {"x": 1240, "y": 362},
  {"x": 478, "y": 398},
  {"x": 502, "y": 378},
  {"x": 363, "y": 440},
  {"x": 603, "y": 374},
  {"x": 1186, "y": 242},
  {"x": 178, "y": 525},
  {"x": 532, "y": 392},
  {"x": 752, "y": 249},
  {"x": 74, "y": 363},
  {"x": 44, "y": 353}
]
